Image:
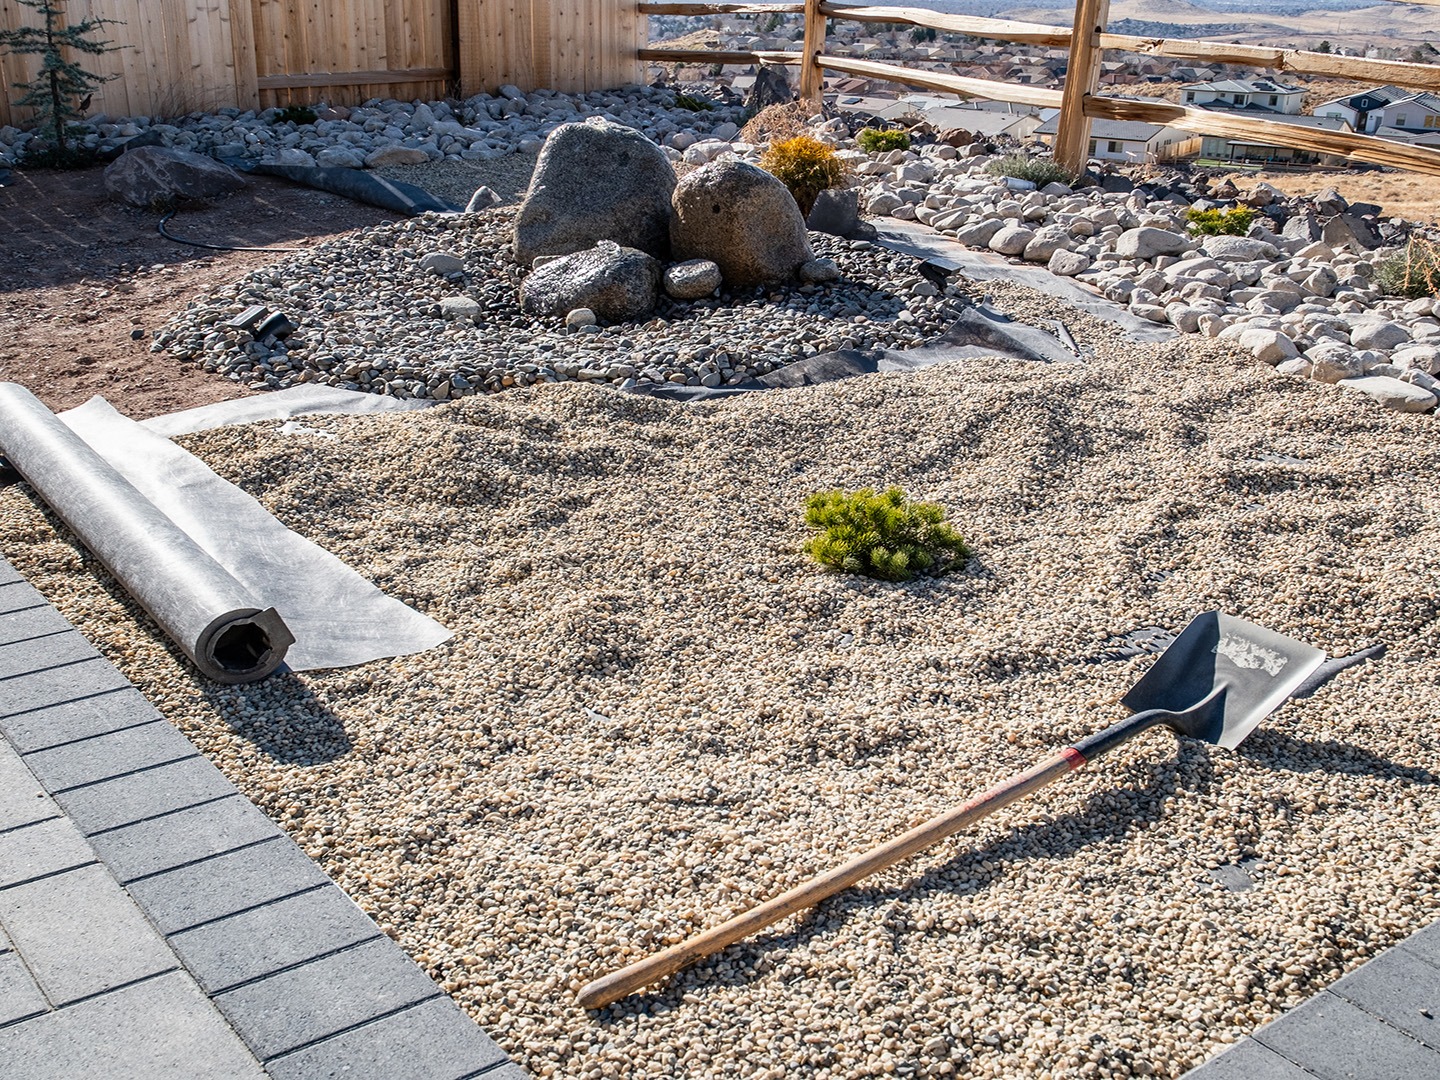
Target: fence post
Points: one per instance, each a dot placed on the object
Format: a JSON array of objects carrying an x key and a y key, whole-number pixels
[
  {"x": 1072, "y": 133},
  {"x": 814, "y": 44}
]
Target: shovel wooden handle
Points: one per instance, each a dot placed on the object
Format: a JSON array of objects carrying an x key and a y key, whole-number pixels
[{"x": 627, "y": 980}]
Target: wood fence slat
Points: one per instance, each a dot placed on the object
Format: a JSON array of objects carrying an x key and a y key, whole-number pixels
[
  {"x": 718, "y": 56},
  {"x": 1002, "y": 29},
  {"x": 1362, "y": 148},
  {"x": 1021, "y": 93}
]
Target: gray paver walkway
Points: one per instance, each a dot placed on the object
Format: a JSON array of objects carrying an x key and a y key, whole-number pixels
[{"x": 155, "y": 925}]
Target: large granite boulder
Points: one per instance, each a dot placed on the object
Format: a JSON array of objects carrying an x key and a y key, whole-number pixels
[
  {"x": 619, "y": 284},
  {"x": 596, "y": 181},
  {"x": 742, "y": 219},
  {"x": 155, "y": 175}
]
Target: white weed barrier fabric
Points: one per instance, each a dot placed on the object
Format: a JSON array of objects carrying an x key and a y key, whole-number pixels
[
  {"x": 336, "y": 617},
  {"x": 222, "y": 625}
]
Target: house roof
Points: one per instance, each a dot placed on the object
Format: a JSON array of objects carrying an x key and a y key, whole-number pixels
[
  {"x": 1413, "y": 138},
  {"x": 1424, "y": 100},
  {"x": 1384, "y": 94},
  {"x": 1245, "y": 86},
  {"x": 1121, "y": 130}
]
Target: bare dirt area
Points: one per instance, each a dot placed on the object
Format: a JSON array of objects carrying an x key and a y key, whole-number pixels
[{"x": 85, "y": 280}]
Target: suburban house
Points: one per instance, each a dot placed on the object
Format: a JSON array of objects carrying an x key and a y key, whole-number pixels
[
  {"x": 1124, "y": 140},
  {"x": 1362, "y": 110},
  {"x": 1418, "y": 112},
  {"x": 1259, "y": 95},
  {"x": 1251, "y": 151}
]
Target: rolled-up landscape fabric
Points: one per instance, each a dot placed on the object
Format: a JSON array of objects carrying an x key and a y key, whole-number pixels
[{"x": 197, "y": 602}]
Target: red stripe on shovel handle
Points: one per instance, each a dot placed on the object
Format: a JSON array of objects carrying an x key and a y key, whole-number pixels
[{"x": 627, "y": 980}]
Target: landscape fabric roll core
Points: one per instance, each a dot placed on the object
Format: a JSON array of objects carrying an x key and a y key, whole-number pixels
[{"x": 197, "y": 602}]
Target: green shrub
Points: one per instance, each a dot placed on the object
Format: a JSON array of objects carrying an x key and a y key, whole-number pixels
[
  {"x": 1413, "y": 273},
  {"x": 299, "y": 115},
  {"x": 1039, "y": 171},
  {"x": 882, "y": 535},
  {"x": 694, "y": 104},
  {"x": 876, "y": 141},
  {"x": 804, "y": 165},
  {"x": 1234, "y": 222}
]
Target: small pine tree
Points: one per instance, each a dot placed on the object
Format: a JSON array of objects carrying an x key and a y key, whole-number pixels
[
  {"x": 61, "y": 88},
  {"x": 1323, "y": 47}
]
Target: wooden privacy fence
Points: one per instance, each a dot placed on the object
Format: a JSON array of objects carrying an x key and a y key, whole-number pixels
[
  {"x": 176, "y": 56},
  {"x": 1078, "y": 103}
]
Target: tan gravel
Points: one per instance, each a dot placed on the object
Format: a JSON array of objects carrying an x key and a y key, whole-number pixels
[{"x": 655, "y": 712}]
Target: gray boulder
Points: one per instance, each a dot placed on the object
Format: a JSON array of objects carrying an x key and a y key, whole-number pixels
[
  {"x": 1238, "y": 248},
  {"x": 742, "y": 219},
  {"x": 619, "y": 284},
  {"x": 596, "y": 181},
  {"x": 158, "y": 174},
  {"x": 771, "y": 88},
  {"x": 837, "y": 212},
  {"x": 1393, "y": 393},
  {"x": 1349, "y": 231},
  {"x": 1146, "y": 242}
]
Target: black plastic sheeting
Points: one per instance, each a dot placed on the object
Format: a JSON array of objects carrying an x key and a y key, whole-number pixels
[
  {"x": 978, "y": 331},
  {"x": 357, "y": 184},
  {"x": 213, "y": 618}
]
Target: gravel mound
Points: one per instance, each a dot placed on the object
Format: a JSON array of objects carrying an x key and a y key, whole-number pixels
[
  {"x": 655, "y": 712},
  {"x": 371, "y": 318}
]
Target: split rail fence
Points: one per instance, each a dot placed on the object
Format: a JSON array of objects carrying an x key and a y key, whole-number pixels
[
  {"x": 176, "y": 56},
  {"x": 1087, "y": 40}
]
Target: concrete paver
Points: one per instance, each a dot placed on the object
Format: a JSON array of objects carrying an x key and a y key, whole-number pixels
[
  {"x": 39, "y": 850},
  {"x": 180, "y": 1037},
  {"x": 163, "y": 843},
  {"x": 81, "y": 934},
  {"x": 55, "y": 725},
  {"x": 139, "y": 796}
]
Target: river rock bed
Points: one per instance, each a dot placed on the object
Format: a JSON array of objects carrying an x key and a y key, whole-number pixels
[
  {"x": 371, "y": 316},
  {"x": 655, "y": 711}
]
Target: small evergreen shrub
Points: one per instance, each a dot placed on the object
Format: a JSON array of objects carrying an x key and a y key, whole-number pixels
[
  {"x": 61, "y": 90},
  {"x": 1234, "y": 222},
  {"x": 877, "y": 141},
  {"x": 1039, "y": 171},
  {"x": 299, "y": 115},
  {"x": 1412, "y": 273},
  {"x": 692, "y": 103},
  {"x": 804, "y": 165},
  {"x": 881, "y": 535}
]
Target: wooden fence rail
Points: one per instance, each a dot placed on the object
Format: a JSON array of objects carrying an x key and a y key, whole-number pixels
[{"x": 1081, "y": 103}]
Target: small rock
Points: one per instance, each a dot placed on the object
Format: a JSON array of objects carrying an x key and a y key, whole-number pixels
[
  {"x": 692, "y": 279},
  {"x": 1270, "y": 346},
  {"x": 483, "y": 199},
  {"x": 578, "y": 317},
  {"x": 1146, "y": 243},
  {"x": 1068, "y": 263},
  {"x": 459, "y": 307},
  {"x": 395, "y": 155},
  {"x": 442, "y": 263},
  {"x": 1011, "y": 240},
  {"x": 818, "y": 271},
  {"x": 1379, "y": 335}
]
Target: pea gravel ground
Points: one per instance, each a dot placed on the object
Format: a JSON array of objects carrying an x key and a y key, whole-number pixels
[{"x": 655, "y": 712}]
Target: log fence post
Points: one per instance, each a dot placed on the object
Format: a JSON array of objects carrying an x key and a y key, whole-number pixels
[
  {"x": 1072, "y": 134},
  {"x": 811, "y": 75}
]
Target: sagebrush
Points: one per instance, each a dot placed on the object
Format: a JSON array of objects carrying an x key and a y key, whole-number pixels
[
  {"x": 882, "y": 534},
  {"x": 1413, "y": 272},
  {"x": 1234, "y": 222},
  {"x": 1039, "y": 171},
  {"x": 880, "y": 141},
  {"x": 804, "y": 165}
]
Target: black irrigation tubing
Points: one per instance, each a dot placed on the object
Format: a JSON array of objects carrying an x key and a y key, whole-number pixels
[{"x": 213, "y": 247}]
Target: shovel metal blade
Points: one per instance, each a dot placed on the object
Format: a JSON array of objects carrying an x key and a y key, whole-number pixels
[{"x": 1254, "y": 668}]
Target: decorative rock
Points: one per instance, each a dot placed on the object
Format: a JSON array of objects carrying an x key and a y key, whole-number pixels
[
  {"x": 157, "y": 174},
  {"x": 1011, "y": 240},
  {"x": 483, "y": 199},
  {"x": 1349, "y": 231},
  {"x": 618, "y": 284},
  {"x": 836, "y": 211},
  {"x": 1393, "y": 393},
  {"x": 1378, "y": 335},
  {"x": 1068, "y": 263},
  {"x": 979, "y": 234},
  {"x": 1238, "y": 248},
  {"x": 691, "y": 280},
  {"x": 1330, "y": 362},
  {"x": 819, "y": 271},
  {"x": 1045, "y": 243},
  {"x": 743, "y": 219},
  {"x": 1270, "y": 346},
  {"x": 395, "y": 155},
  {"x": 1146, "y": 243},
  {"x": 883, "y": 203},
  {"x": 339, "y": 157},
  {"x": 771, "y": 87},
  {"x": 442, "y": 263},
  {"x": 596, "y": 181},
  {"x": 460, "y": 307},
  {"x": 580, "y": 316}
]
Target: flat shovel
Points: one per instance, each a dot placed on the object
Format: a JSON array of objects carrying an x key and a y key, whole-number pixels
[{"x": 1219, "y": 679}]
